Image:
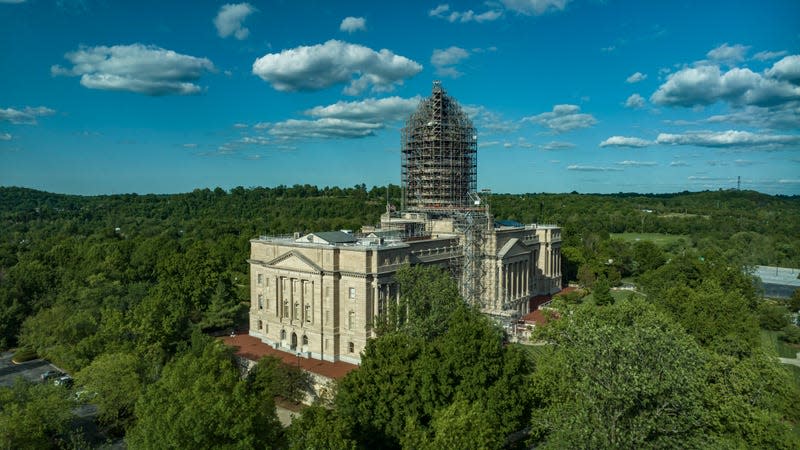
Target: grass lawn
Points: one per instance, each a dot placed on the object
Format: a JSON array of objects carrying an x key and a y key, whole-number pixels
[
  {"x": 662, "y": 240},
  {"x": 770, "y": 341}
]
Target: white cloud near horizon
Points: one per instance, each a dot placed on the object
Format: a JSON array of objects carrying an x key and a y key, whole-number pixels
[
  {"x": 144, "y": 69},
  {"x": 584, "y": 168},
  {"x": 25, "y": 116},
  {"x": 563, "y": 118},
  {"x": 535, "y": 7},
  {"x": 730, "y": 138},
  {"x": 230, "y": 20},
  {"x": 352, "y": 24},
  {"x": 445, "y": 61},
  {"x": 630, "y": 163},
  {"x": 389, "y": 109},
  {"x": 316, "y": 67}
]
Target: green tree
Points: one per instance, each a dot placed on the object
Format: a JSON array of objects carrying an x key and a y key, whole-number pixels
[
  {"x": 625, "y": 377},
  {"x": 319, "y": 428},
  {"x": 33, "y": 415},
  {"x": 202, "y": 401},
  {"x": 116, "y": 380},
  {"x": 602, "y": 293}
]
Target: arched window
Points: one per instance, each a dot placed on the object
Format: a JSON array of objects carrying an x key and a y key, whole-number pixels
[
  {"x": 305, "y": 340},
  {"x": 283, "y": 335},
  {"x": 260, "y": 325},
  {"x": 351, "y": 347}
]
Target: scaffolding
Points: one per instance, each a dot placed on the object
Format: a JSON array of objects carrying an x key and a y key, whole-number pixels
[
  {"x": 439, "y": 155},
  {"x": 471, "y": 223}
]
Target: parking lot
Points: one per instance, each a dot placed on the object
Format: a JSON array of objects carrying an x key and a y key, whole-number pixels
[{"x": 30, "y": 370}]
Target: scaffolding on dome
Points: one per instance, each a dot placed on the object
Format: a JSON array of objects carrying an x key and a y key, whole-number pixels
[{"x": 439, "y": 155}]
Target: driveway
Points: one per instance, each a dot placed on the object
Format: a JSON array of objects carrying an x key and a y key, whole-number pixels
[{"x": 30, "y": 370}]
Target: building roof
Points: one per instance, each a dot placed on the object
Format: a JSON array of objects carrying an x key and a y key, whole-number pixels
[
  {"x": 507, "y": 223},
  {"x": 785, "y": 276},
  {"x": 252, "y": 348},
  {"x": 335, "y": 237}
]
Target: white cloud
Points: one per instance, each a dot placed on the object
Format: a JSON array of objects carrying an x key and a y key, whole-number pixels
[
  {"x": 534, "y": 7},
  {"x": 557, "y": 145},
  {"x": 26, "y": 116},
  {"x": 582, "y": 168},
  {"x": 230, "y": 19},
  {"x": 507, "y": 145},
  {"x": 5, "y": 136},
  {"x": 635, "y": 101},
  {"x": 563, "y": 118},
  {"x": 353, "y": 24},
  {"x": 636, "y": 77},
  {"x": 630, "y": 163},
  {"x": 728, "y": 54},
  {"x": 624, "y": 141},
  {"x": 678, "y": 164},
  {"x": 13, "y": 1},
  {"x": 785, "y": 116},
  {"x": 730, "y": 138},
  {"x": 766, "y": 55},
  {"x": 240, "y": 125},
  {"x": 707, "y": 84},
  {"x": 444, "y": 12},
  {"x": 371, "y": 110},
  {"x": 608, "y": 49},
  {"x": 787, "y": 69},
  {"x": 446, "y": 60},
  {"x": 789, "y": 181},
  {"x": 137, "y": 68},
  {"x": 310, "y": 68},
  {"x": 190, "y": 145},
  {"x": 325, "y": 128}
]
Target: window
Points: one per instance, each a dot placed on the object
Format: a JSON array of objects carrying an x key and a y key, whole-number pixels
[
  {"x": 352, "y": 293},
  {"x": 260, "y": 278},
  {"x": 351, "y": 347},
  {"x": 283, "y": 335},
  {"x": 260, "y": 302},
  {"x": 296, "y": 310},
  {"x": 286, "y": 308},
  {"x": 308, "y": 313},
  {"x": 350, "y": 319},
  {"x": 305, "y": 340},
  {"x": 260, "y": 324}
]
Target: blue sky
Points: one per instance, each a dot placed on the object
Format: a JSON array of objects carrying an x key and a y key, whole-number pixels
[{"x": 101, "y": 96}]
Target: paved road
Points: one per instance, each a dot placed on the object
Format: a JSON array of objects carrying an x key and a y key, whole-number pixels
[
  {"x": 793, "y": 361},
  {"x": 31, "y": 370}
]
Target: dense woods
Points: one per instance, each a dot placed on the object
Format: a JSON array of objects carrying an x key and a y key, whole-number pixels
[{"x": 119, "y": 290}]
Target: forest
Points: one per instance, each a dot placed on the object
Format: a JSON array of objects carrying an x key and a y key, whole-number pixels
[{"x": 124, "y": 291}]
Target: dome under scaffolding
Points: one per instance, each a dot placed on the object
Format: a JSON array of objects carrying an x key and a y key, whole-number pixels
[{"x": 439, "y": 155}]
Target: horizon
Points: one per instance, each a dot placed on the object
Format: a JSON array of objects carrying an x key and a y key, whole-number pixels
[{"x": 594, "y": 97}]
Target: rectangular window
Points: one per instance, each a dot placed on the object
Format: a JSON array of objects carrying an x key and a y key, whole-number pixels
[
  {"x": 260, "y": 278},
  {"x": 350, "y": 319},
  {"x": 308, "y": 313},
  {"x": 260, "y": 301},
  {"x": 352, "y": 293}
]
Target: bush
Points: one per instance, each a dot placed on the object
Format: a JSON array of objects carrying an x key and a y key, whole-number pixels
[
  {"x": 790, "y": 334},
  {"x": 22, "y": 355},
  {"x": 772, "y": 317}
]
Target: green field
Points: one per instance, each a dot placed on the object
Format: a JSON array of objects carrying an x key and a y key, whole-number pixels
[{"x": 662, "y": 240}]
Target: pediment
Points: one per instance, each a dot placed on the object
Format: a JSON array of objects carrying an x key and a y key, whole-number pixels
[
  {"x": 514, "y": 247},
  {"x": 293, "y": 260}
]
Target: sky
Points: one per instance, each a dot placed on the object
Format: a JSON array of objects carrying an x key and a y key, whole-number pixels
[{"x": 105, "y": 97}]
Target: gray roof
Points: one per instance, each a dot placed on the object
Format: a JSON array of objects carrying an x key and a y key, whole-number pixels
[
  {"x": 786, "y": 276},
  {"x": 336, "y": 237}
]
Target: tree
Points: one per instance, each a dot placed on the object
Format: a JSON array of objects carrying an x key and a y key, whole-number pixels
[
  {"x": 319, "y": 428},
  {"x": 33, "y": 415},
  {"x": 223, "y": 309},
  {"x": 626, "y": 377},
  {"x": 602, "y": 293},
  {"x": 116, "y": 380},
  {"x": 202, "y": 401}
]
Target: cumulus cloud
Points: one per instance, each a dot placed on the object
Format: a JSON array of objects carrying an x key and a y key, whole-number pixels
[
  {"x": 446, "y": 60},
  {"x": 310, "y": 68},
  {"x": 728, "y": 54},
  {"x": 5, "y": 136},
  {"x": 766, "y": 55},
  {"x": 353, "y": 24},
  {"x": 563, "y": 118},
  {"x": 443, "y": 12},
  {"x": 630, "y": 163},
  {"x": 707, "y": 84},
  {"x": 557, "y": 145},
  {"x": 230, "y": 20},
  {"x": 25, "y": 116},
  {"x": 534, "y": 7},
  {"x": 730, "y": 138},
  {"x": 136, "y": 68},
  {"x": 583, "y": 168},
  {"x": 785, "y": 116},
  {"x": 624, "y": 141},
  {"x": 636, "y": 77},
  {"x": 635, "y": 101},
  {"x": 373, "y": 110}
]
